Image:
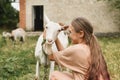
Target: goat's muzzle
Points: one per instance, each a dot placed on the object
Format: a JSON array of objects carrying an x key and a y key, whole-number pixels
[{"x": 49, "y": 41}]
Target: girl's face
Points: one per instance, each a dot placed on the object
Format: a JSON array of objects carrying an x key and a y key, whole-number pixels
[{"x": 73, "y": 35}]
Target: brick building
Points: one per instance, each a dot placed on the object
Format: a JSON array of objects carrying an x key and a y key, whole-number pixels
[{"x": 97, "y": 12}]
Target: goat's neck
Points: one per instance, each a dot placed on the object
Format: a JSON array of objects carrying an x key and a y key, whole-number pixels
[{"x": 48, "y": 48}]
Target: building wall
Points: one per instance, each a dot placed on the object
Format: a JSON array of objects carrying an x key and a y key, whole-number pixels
[
  {"x": 22, "y": 14},
  {"x": 66, "y": 10}
]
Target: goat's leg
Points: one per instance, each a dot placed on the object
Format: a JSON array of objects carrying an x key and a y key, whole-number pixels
[
  {"x": 23, "y": 38},
  {"x": 52, "y": 65},
  {"x": 14, "y": 40},
  {"x": 45, "y": 72},
  {"x": 37, "y": 70}
]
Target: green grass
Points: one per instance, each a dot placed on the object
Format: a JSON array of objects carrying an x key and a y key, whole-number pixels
[
  {"x": 111, "y": 50},
  {"x": 18, "y": 62}
]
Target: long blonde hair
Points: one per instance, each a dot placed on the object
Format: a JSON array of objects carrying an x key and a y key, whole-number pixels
[{"x": 98, "y": 65}]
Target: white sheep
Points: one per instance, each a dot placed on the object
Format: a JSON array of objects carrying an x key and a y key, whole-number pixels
[{"x": 53, "y": 30}]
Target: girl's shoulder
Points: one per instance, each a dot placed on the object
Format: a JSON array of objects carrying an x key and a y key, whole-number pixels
[{"x": 80, "y": 48}]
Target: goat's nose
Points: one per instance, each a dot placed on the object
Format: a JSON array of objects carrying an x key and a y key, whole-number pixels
[{"x": 49, "y": 40}]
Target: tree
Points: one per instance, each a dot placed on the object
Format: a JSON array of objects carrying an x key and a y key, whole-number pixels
[{"x": 8, "y": 15}]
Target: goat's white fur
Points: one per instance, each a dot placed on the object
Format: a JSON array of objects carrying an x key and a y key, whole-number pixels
[
  {"x": 6, "y": 34},
  {"x": 51, "y": 35},
  {"x": 18, "y": 33},
  {"x": 46, "y": 18}
]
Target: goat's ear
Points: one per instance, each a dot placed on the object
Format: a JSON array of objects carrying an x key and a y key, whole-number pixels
[
  {"x": 61, "y": 24},
  {"x": 65, "y": 27},
  {"x": 44, "y": 34},
  {"x": 47, "y": 20}
]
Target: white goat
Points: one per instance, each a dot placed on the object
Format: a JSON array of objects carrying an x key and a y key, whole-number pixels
[
  {"x": 6, "y": 34},
  {"x": 53, "y": 30},
  {"x": 18, "y": 34}
]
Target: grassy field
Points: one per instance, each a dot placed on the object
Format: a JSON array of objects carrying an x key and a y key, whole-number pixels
[{"x": 18, "y": 62}]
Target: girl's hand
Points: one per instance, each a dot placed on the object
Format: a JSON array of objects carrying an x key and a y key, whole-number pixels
[
  {"x": 51, "y": 57},
  {"x": 59, "y": 45}
]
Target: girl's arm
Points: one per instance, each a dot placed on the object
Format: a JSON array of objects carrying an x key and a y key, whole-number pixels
[
  {"x": 51, "y": 57},
  {"x": 59, "y": 45}
]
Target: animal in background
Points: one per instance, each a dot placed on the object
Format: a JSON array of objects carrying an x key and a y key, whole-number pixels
[
  {"x": 16, "y": 35},
  {"x": 6, "y": 34}
]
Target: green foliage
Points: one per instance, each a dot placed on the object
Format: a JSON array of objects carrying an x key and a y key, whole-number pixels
[
  {"x": 17, "y": 61},
  {"x": 2, "y": 41},
  {"x": 8, "y": 15}
]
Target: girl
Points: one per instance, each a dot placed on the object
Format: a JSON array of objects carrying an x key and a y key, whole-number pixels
[{"x": 84, "y": 57}]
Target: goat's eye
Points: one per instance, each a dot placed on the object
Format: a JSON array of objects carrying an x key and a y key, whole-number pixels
[
  {"x": 62, "y": 29},
  {"x": 46, "y": 27},
  {"x": 59, "y": 30}
]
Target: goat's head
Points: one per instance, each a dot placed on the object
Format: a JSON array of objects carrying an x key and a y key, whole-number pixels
[
  {"x": 6, "y": 34},
  {"x": 52, "y": 30}
]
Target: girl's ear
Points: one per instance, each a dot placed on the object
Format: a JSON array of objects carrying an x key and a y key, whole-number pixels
[{"x": 81, "y": 34}]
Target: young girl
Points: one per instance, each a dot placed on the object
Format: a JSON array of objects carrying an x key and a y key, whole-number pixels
[{"x": 84, "y": 57}]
